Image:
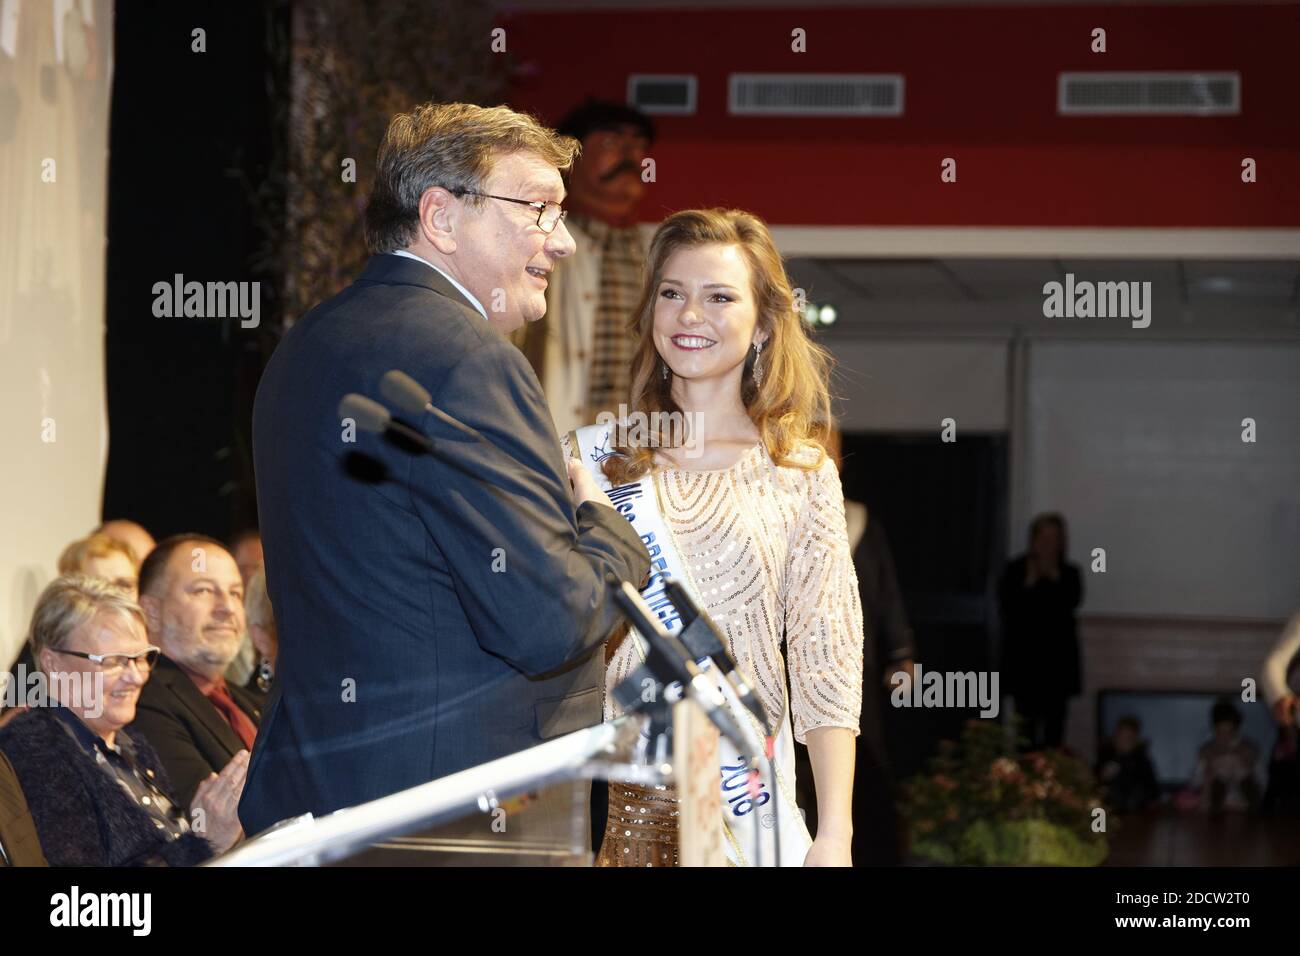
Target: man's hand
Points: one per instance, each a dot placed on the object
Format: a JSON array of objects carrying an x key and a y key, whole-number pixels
[
  {"x": 218, "y": 798},
  {"x": 584, "y": 486},
  {"x": 1284, "y": 710}
]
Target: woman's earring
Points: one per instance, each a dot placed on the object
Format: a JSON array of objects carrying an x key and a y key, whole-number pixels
[
  {"x": 758, "y": 372},
  {"x": 664, "y": 369},
  {"x": 265, "y": 675}
]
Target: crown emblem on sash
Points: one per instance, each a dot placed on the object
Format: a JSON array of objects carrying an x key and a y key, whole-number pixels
[{"x": 602, "y": 451}]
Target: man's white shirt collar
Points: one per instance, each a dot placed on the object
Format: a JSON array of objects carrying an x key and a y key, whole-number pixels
[{"x": 460, "y": 288}]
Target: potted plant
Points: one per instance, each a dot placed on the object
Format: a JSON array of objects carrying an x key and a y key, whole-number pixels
[{"x": 984, "y": 804}]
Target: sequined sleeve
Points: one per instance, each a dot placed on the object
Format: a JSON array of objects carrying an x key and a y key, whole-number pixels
[{"x": 823, "y": 612}]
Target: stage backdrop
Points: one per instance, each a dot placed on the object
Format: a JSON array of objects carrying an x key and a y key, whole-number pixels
[{"x": 54, "y": 85}]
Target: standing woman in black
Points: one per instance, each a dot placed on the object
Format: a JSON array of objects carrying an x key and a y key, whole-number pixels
[{"x": 1038, "y": 594}]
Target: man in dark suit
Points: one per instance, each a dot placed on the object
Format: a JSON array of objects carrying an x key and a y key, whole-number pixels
[
  {"x": 192, "y": 595},
  {"x": 433, "y": 611}
]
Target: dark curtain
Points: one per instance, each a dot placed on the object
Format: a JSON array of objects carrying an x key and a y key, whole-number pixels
[
  {"x": 189, "y": 131},
  {"x": 944, "y": 506}
]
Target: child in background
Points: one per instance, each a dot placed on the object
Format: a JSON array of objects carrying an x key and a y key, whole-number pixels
[
  {"x": 1125, "y": 769},
  {"x": 1225, "y": 768}
]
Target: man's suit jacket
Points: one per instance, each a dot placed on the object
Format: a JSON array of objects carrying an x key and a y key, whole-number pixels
[
  {"x": 19, "y": 844},
  {"x": 186, "y": 730},
  {"x": 433, "y": 612}
]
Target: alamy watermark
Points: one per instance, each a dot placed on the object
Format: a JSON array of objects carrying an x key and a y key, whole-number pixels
[
  {"x": 133, "y": 911},
  {"x": 1102, "y": 300},
  {"x": 678, "y": 430},
  {"x": 954, "y": 689},
  {"x": 209, "y": 300},
  {"x": 80, "y": 690}
]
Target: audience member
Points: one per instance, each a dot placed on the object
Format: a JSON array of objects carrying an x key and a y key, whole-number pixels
[
  {"x": 193, "y": 601},
  {"x": 108, "y": 559},
  {"x": 246, "y": 549},
  {"x": 1038, "y": 595},
  {"x": 1226, "y": 766},
  {"x": 1125, "y": 769},
  {"x": 98, "y": 794},
  {"x": 131, "y": 534},
  {"x": 99, "y": 556},
  {"x": 261, "y": 627},
  {"x": 19, "y": 843}
]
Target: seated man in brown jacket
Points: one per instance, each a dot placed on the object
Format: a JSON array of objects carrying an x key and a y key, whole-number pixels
[{"x": 19, "y": 844}]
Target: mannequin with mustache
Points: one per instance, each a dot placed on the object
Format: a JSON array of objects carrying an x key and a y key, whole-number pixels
[{"x": 581, "y": 350}]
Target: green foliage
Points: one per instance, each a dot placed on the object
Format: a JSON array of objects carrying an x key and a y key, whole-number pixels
[{"x": 985, "y": 804}]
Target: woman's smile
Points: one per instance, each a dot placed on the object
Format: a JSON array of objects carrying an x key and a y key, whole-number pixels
[{"x": 692, "y": 343}]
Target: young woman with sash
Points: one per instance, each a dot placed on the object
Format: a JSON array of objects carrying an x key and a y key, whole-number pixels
[{"x": 747, "y": 511}]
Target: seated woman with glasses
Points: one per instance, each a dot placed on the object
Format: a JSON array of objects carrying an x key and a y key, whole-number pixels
[
  {"x": 99, "y": 796},
  {"x": 98, "y": 556}
]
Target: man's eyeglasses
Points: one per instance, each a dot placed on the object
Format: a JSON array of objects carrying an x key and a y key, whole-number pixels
[
  {"x": 549, "y": 214},
  {"x": 116, "y": 663}
]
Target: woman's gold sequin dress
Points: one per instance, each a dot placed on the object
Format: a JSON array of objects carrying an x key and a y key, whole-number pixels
[{"x": 768, "y": 551}]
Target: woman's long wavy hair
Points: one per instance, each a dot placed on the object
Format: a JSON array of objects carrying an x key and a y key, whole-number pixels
[{"x": 789, "y": 407}]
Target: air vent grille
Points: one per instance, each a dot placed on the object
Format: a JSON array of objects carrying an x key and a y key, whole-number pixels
[
  {"x": 1150, "y": 94},
  {"x": 652, "y": 93},
  {"x": 815, "y": 94}
]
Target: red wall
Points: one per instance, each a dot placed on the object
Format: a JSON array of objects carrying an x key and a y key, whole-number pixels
[{"x": 980, "y": 86}]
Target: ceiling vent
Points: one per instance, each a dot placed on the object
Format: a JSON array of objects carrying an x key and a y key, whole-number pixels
[
  {"x": 815, "y": 94},
  {"x": 1149, "y": 94},
  {"x": 673, "y": 95}
]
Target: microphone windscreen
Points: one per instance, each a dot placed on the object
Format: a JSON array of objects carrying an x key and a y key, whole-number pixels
[
  {"x": 369, "y": 415},
  {"x": 681, "y": 599},
  {"x": 404, "y": 392}
]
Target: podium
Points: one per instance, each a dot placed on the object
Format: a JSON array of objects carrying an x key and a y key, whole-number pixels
[{"x": 525, "y": 809}]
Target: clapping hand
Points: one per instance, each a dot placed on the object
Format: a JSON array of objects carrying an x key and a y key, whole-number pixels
[{"x": 216, "y": 804}]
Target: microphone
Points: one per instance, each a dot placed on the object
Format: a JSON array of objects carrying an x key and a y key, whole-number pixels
[
  {"x": 672, "y": 662},
  {"x": 410, "y": 396},
  {"x": 701, "y": 637},
  {"x": 405, "y": 392},
  {"x": 370, "y": 416}
]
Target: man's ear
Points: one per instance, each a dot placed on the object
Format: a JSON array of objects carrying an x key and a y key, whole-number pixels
[{"x": 438, "y": 219}]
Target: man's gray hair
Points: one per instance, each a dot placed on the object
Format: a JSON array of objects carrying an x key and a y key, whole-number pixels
[{"x": 452, "y": 145}]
